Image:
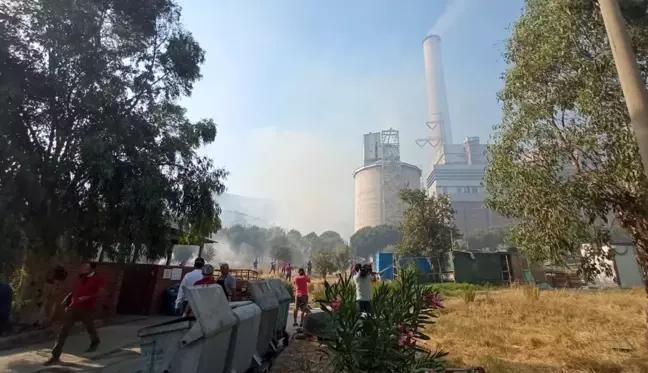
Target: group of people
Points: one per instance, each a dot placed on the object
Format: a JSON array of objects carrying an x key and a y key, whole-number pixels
[
  {"x": 286, "y": 269},
  {"x": 203, "y": 274}
]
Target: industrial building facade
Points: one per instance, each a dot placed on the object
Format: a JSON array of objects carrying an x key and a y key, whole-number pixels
[{"x": 459, "y": 174}]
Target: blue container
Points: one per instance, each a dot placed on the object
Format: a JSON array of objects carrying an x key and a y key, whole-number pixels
[
  {"x": 170, "y": 296},
  {"x": 385, "y": 265}
]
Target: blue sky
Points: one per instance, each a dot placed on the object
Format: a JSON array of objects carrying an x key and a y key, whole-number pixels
[{"x": 293, "y": 85}]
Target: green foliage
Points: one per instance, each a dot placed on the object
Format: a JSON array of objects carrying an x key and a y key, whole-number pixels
[
  {"x": 343, "y": 255},
  {"x": 564, "y": 158},
  {"x": 390, "y": 249},
  {"x": 255, "y": 241},
  {"x": 491, "y": 238},
  {"x": 452, "y": 289},
  {"x": 371, "y": 240},
  {"x": 386, "y": 340},
  {"x": 468, "y": 295},
  {"x": 428, "y": 224},
  {"x": 281, "y": 253},
  {"x": 290, "y": 288},
  {"x": 324, "y": 262},
  {"x": 95, "y": 149},
  {"x": 328, "y": 240}
]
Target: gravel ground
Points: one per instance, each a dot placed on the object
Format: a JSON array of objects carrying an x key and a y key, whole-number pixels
[{"x": 305, "y": 356}]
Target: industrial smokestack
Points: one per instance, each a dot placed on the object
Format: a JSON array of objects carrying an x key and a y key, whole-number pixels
[{"x": 439, "y": 116}]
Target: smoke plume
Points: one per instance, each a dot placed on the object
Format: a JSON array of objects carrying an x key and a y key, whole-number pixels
[{"x": 451, "y": 14}]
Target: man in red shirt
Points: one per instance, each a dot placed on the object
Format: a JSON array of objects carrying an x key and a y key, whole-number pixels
[
  {"x": 301, "y": 295},
  {"x": 79, "y": 306}
]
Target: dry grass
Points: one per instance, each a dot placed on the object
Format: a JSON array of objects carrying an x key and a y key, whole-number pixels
[{"x": 521, "y": 330}]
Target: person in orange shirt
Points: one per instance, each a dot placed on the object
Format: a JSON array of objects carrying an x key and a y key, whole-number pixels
[{"x": 301, "y": 295}]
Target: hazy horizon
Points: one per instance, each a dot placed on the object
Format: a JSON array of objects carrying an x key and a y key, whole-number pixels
[{"x": 294, "y": 85}]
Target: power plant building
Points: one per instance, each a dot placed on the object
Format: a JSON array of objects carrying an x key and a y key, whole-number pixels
[
  {"x": 456, "y": 169},
  {"x": 378, "y": 181}
]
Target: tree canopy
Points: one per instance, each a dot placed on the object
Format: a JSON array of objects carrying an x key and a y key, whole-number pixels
[
  {"x": 368, "y": 241},
  {"x": 564, "y": 159},
  {"x": 490, "y": 238},
  {"x": 95, "y": 149},
  {"x": 256, "y": 241},
  {"x": 428, "y": 224}
]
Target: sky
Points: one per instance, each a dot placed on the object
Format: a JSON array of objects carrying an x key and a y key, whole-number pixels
[{"x": 294, "y": 84}]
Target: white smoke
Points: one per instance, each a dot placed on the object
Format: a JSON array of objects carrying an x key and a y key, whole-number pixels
[
  {"x": 223, "y": 253},
  {"x": 451, "y": 14}
]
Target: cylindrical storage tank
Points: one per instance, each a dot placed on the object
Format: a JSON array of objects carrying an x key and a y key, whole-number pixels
[{"x": 373, "y": 192}]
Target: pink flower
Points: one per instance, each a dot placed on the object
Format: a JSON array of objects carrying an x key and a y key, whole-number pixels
[
  {"x": 336, "y": 303},
  {"x": 434, "y": 300},
  {"x": 407, "y": 339}
]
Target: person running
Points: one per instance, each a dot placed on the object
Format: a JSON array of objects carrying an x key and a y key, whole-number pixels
[
  {"x": 79, "y": 306},
  {"x": 288, "y": 272},
  {"x": 362, "y": 280},
  {"x": 255, "y": 263},
  {"x": 207, "y": 279},
  {"x": 283, "y": 268},
  {"x": 309, "y": 267},
  {"x": 301, "y": 296},
  {"x": 273, "y": 267}
]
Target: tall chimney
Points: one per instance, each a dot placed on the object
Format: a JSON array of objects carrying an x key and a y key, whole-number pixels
[{"x": 438, "y": 113}]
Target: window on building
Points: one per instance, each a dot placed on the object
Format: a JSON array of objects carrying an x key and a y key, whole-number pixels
[
  {"x": 459, "y": 189},
  {"x": 444, "y": 190},
  {"x": 474, "y": 190},
  {"x": 466, "y": 189}
]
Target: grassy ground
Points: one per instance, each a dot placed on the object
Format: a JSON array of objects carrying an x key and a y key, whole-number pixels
[{"x": 525, "y": 330}]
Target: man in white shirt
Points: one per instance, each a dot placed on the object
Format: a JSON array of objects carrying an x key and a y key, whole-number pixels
[{"x": 188, "y": 280}]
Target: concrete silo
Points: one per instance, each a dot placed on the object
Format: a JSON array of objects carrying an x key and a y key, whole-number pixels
[{"x": 378, "y": 181}]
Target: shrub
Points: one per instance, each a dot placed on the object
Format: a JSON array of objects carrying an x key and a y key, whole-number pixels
[
  {"x": 468, "y": 295},
  {"x": 386, "y": 340},
  {"x": 291, "y": 289}
]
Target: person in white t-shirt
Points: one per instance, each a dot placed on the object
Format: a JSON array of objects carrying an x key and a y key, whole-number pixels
[
  {"x": 362, "y": 280},
  {"x": 188, "y": 280}
]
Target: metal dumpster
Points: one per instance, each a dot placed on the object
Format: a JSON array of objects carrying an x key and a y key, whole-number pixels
[
  {"x": 191, "y": 345},
  {"x": 265, "y": 298},
  {"x": 243, "y": 344},
  {"x": 283, "y": 298}
]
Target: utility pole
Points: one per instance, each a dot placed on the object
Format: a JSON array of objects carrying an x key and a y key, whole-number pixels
[{"x": 633, "y": 86}]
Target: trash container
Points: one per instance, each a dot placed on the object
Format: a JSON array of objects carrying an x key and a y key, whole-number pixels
[
  {"x": 263, "y": 295},
  {"x": 243, "y": 344},
  {"x": 283, "y": 298},
  {"x": 191, "y": 345}
]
